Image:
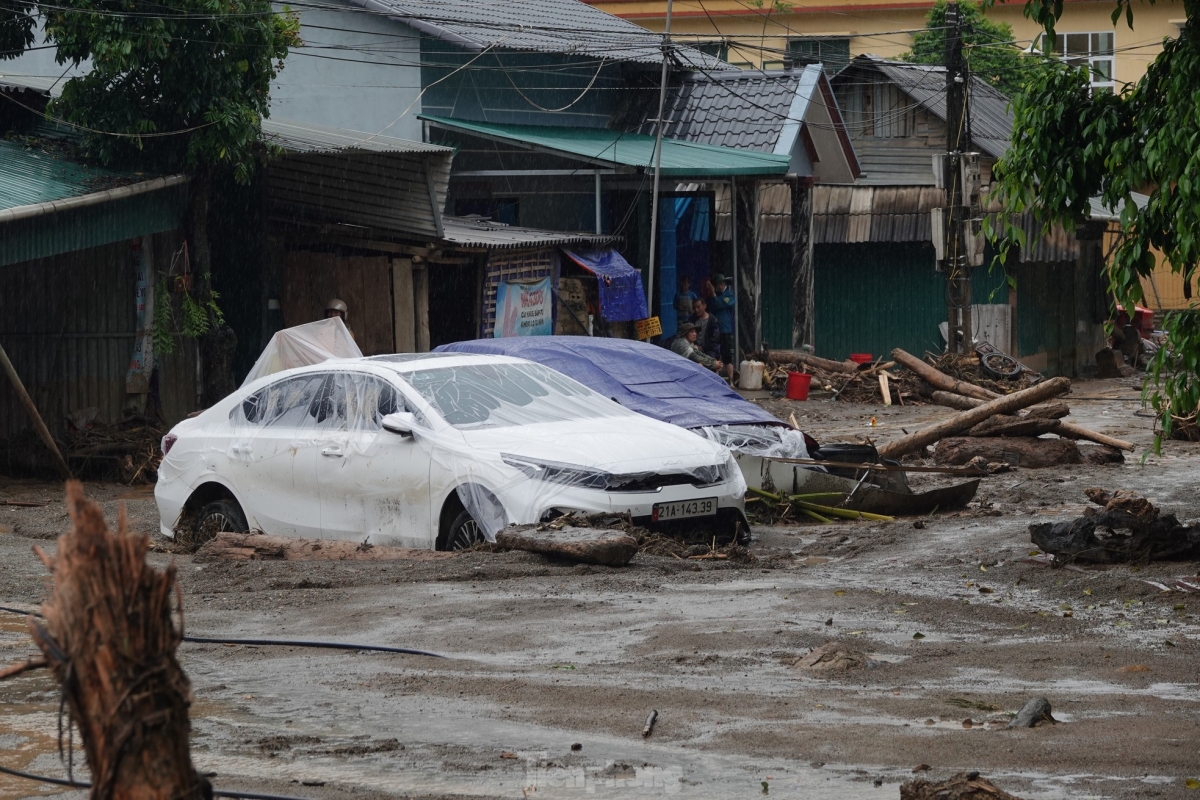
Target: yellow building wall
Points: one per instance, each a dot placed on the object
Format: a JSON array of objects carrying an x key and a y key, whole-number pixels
[{"x": 884, "y": 28}]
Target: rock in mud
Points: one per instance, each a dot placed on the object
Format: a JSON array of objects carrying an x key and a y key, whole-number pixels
[
  {"x": 1035, "y": 712},
  {"x": 963, "y": 786},
  {"x": 832, "y": 656}
]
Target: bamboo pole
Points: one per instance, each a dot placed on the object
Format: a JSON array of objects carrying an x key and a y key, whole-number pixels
[
  {"x": 39, "y": 424},
  {"x": 968, "y": 419}
]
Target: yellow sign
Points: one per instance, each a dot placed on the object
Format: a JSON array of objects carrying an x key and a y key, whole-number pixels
[{"x": 647, "y": 328}]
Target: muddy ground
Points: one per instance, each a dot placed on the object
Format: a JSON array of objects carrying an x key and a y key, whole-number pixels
[{"x": 542, "y": 656}]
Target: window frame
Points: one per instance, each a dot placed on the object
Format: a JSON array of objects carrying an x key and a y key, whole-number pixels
[{"x": 1096, "y": 53}]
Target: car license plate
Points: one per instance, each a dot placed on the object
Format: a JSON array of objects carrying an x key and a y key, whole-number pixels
[{"x": 705, "y": 507}]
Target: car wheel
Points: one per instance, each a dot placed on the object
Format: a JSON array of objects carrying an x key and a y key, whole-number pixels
[
  {"x": 465, "y": 533},
  {"x": 217, "y": 517}
]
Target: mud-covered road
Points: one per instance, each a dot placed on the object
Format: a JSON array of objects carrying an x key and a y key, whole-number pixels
[{"x": 540, "y": 656}]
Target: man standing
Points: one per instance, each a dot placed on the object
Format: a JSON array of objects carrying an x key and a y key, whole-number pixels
[
  {"x": 685, "y": 345},
  {"x": 722, "y": 307},
  {"x": 336, "y": 308}
]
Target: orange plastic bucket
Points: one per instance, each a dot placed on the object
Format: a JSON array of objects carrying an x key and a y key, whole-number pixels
[{"x": 797, "y": 385}]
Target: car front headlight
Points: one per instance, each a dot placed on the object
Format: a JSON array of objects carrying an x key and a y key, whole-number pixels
[
  {"x": 728, "y": 469},
  {"x": 556, "y": 472}
]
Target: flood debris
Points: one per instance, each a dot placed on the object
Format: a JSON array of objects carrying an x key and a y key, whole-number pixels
[
  {"x": 109, "y": 638},
  {"x": 832, "y": 656},
  {"x": 572, "y": 539},
  {"x": 1021, "y": 451},
  {"x": 227, "y": 546},
  {"x": 1033, "y": 713},
  {"x": 651, "y": 718},
  {"x": 1136, "y": 531},
  {"x": 963, "y": 786}
]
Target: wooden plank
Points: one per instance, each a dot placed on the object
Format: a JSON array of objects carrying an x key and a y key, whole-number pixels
[
  {"x": 402, "y": 305},
  {"x": 375, "y": 328},
  {"x": 421, "y": 306}
]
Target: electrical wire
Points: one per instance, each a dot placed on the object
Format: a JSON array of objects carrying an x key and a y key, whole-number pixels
[
  {"x": 60, "y": 121},
  {"x": 273, "y": 642},
  {"x": 85, "y": 785}
]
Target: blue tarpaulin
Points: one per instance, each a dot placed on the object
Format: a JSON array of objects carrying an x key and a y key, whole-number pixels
[
  {"x": 622, "y": 296},
  {"x": 642, "y": 377}
]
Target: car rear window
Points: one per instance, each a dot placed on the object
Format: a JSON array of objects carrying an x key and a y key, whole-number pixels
[{"x": 502, "y": 395}]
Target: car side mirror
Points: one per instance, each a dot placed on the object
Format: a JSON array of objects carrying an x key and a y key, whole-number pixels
[{"x": 401, "y": 422}]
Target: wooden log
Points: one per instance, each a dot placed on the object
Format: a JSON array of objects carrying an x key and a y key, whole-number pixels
[
  {"x": 801, "y": 359},
  {"x": 884, "y": 391},
  {"x": 1004, "y": 425},
  {"x": 968, "y": 419},
  {"x": 1048, "y": 411},
  {"x": 588, "y": 545},
  {"x": 109, "y": 636},
  {"x": 1016, "y": 450},
  {"x": 958, "y": 401},
  {"x": 1073, "y": 431},
  {"x": 940, "y": 380},
  {"x": 226, "y": 546}
]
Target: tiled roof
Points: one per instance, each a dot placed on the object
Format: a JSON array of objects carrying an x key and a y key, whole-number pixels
[
  {"x": 745, "y": 109},
  {"x": 547, "y": 26}
]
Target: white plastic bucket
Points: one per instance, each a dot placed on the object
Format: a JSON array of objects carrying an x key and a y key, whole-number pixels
[{"x": 751, "y": 375}]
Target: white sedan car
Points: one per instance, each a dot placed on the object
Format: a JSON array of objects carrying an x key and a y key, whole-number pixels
[{"x": 435, "y": 451}]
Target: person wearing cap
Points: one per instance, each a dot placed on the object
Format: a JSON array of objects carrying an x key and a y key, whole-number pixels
[
  {"x": 336, "y": 308},
  {"x": 721, "y": 306},
  {"x": 685, "y": 345}
]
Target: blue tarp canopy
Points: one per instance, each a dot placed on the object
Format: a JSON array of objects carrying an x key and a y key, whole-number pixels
[
  {"x": 622, "y": 296},
  {"x": 642, "y": 377}
]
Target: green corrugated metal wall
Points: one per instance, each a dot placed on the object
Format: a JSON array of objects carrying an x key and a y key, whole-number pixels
[
  {"x": 777, "y": 295},
  {"x": 871, "y": 298},
  {"x": 1046, "y": 315},
  {"x": 91, "y": 226}
]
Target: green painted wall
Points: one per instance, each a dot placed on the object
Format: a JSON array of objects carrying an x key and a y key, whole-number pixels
[
  {"x": 871, "y": 298},
  {"x": 777, "y": 295}
]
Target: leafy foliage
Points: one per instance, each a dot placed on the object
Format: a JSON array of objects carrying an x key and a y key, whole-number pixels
[
  {"x": 1070, "y": 145},
  {"x": 16, "y": 27},
  {"x": 989, "y": 50},
  {"x": 186, "y": 81}
]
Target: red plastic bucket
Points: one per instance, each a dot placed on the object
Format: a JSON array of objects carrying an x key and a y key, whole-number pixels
[
  {"x": 797, "y": 385},
  {"x": 862, "y": 358}
]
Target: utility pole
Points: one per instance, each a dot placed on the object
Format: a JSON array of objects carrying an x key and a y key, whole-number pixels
[
  {"x": 957, "y": 262},
  {"x": 658, "y": 137}
]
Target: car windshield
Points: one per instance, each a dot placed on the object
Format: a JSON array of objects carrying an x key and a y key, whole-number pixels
[{"x": 502, "y": 395}]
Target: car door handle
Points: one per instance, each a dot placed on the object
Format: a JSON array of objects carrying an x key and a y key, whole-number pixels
[{"x": 334, "y": 452}]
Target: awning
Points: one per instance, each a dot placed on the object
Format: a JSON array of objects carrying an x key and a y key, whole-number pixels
[
  {"x": 629, "y": 150},
  {"x": 622, "y": 296}
]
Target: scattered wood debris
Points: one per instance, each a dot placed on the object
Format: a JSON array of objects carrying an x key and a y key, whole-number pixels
[
  {"x": 607, "y": 547},
  {"x": 1136, "y": 532},
  {"x": 226, "y": 546},
  {"x": 963, "y": 786}
]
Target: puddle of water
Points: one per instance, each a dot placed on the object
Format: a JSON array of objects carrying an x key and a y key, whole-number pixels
[{"x": 29, "y": 742}]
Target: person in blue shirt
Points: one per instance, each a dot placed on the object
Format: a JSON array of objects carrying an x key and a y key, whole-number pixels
[
  {"x": 684, "y": 299},
  {"x": 721, "y": 306}
]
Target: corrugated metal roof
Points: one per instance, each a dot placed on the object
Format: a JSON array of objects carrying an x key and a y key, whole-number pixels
[
  {"x": 305, "y": 137},
  {"x": 474, "y": 232},
  {"x": 35, "y": 173},
  {"x": 34, "y": 83},
  {"x": 547, "y": 26},
  {"x": 745, "y": 109},
  {"x": 891, "y": 162},
  {"x": 991, "y": 120},
  {"x": 596, "y": 145}
]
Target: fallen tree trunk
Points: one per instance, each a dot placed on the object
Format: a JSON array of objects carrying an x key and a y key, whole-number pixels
[
  {"x": 940, "y": 380},
  {"x": 226, "y": 546},
  {"x": 1056, "y": 410},
  {"x": 588, "y": 545},
  {"x": 1019, "y": 451},
  {"x": 1005, "y": 425},
  {"x": 952, "y": 400},
  {"x": 110, "y": 639},
  {"x": 802, "y": 359},
  {"x": 968, "y": 419}
]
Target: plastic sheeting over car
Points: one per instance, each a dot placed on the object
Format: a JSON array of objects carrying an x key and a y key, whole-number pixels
[
  {"x": 303, "y": 346},
  {"x": 642, "y": 377}
]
